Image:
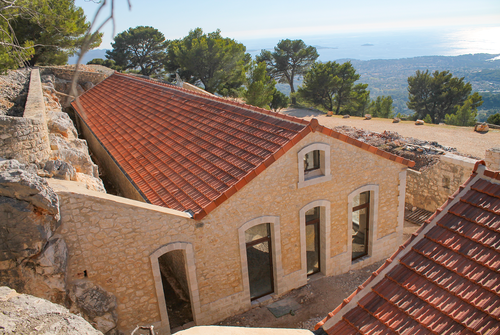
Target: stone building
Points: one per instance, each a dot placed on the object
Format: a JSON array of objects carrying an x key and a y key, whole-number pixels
[
  {"x": 443, "y": 280},
  {"x": 228, "y": 203}
]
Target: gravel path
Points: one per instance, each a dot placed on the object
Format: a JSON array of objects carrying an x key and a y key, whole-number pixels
[{"x": 465, "y": 139}]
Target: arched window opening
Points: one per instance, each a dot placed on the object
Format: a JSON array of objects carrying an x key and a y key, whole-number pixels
[
  {"x": 259, "y": 259},
  {"x": 312, "y": 240},
  {"x": 360, "y": 224}
]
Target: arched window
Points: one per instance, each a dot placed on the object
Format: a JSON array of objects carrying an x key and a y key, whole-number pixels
[
  {"x": 315, "y": 237},
  {"x": 314, "y": 164},
  {"x": 362, "y": 221},
  {"x": 260, "y": 252}
]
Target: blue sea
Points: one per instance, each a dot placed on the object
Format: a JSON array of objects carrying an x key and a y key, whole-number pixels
[
  {"x": 394, "y": 44},
  {"x": 380, "y": 45}
]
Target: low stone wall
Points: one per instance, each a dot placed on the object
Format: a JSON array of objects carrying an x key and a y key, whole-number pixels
[
  {"x": 27, "y": 138},
  {"x": 430, "y": 189},
  {"x": 67, "y": 73}
]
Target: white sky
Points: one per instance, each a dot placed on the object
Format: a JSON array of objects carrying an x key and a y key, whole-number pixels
[{"x": 292, "y": 18}]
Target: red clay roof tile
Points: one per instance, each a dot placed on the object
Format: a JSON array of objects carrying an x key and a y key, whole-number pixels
[
  {"x": 448, "y": 282},
  {"x": 183, "y": 150}
]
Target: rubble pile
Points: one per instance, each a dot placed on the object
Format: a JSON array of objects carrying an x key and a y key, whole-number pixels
[{"x": 423, "y": 153}]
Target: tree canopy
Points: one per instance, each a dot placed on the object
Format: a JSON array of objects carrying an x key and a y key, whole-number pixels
[
  {"x": 13, "y": 54},
  {"x": 494, "y": 119},
  {"x": 279, "y": 101},
  {"x": 260, "y": 87},
  {"x": 290, "y": 58},
  {"x": 330, "y": 85},
  {"x": 438, "y": 94},
  {"x": 216, "y": 62},
  {"x": 56, "y": 28},
  {"x": 142, "y": 48},
  {"x": 382, "y": 107}
]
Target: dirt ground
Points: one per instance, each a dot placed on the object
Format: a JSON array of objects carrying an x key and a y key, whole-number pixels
[
  {"x": 318, "y": 298},
  {"x": 465, "y": 139}
]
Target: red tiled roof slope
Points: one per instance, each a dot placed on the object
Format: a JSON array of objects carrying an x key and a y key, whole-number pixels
[
  {"x": 185, "y": 153},
  {"x": 445, "y": 281},
  {"x": 186, "y": 150}
]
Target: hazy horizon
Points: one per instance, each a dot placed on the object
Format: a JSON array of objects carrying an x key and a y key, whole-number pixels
[{"x": 292, "y": 19}]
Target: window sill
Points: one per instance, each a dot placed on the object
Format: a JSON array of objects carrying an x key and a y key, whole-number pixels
[{"x": 314, "y": 180}]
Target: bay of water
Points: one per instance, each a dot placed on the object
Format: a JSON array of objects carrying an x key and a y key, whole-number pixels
[{"x": 394, "y": 44}]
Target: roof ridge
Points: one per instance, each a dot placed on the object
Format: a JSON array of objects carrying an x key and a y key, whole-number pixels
[
  {"x": 481, "y": 166},
  {"x": 213, "y": 97}
]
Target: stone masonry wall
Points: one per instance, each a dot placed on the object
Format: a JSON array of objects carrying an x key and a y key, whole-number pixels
[
  {"x": 431, "y": 188},
  {"x": 83, "y": 76},
  {"x": 26, "y": 139},
  {"x": 112, "y": 238}
]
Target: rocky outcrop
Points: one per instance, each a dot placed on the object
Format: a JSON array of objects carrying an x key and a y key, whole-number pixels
[
  {"x": 25, "y": 314},
  {"x": 95, "y": 304},
  {"x": 60, "y": 123},
  {"x": 60, "y": 170},
  {"x": 70, "y": 159},
  {"x": 32, "y": 258}
]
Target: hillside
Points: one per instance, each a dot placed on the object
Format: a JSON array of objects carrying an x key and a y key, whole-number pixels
[{"x": 389, "y": 76}]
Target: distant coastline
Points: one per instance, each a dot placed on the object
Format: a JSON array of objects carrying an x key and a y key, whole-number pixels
[{"x": 381, "y": 45}]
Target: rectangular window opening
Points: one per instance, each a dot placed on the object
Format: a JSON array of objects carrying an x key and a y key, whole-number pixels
[{"x": 312, "y": 160}]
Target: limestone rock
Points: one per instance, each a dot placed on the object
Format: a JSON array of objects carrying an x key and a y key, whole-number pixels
[
  {"x": 419, "y": 122},
  {"x": 24, "y": 232},
  {"x": 368, "y": 117},
  {"x": 482, "y": 127},
  {"x": 42, "y": 275},
  {"x": 396, "y": 120},
  {"x": 60, "y": 123},
  {"x": 346, "y": 116},
  {"x": 92, "y": 183},
  {"x": 79, "y": 160},
  {"x": 87, "y": 85},
  {"x": 60, "y": 170},
  {"x": 58, "y": 142},
  {"x": 64, "y": 86},
  {"x": 25, "y": 314},
  {"x": 96, "y": 304},
  {"x": 20, "y": 184}
]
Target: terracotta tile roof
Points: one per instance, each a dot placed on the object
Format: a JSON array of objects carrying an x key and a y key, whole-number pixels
[
  {"x": 444, "y": 280},
  {"x": 186, "y": 150}
]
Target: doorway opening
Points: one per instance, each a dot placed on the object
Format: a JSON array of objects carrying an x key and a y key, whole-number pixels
[
  {"x": 259, "y": 260},
  {"x": 176, "y": 288},
  {"x": 312, "y": 240}
]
